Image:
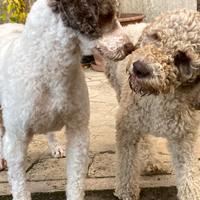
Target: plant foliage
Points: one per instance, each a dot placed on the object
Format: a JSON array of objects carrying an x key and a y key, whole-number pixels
[{"x": 13, "y": 11}]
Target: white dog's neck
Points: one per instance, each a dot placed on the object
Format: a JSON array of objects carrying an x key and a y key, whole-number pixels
[{"x": 45, "y": 33}]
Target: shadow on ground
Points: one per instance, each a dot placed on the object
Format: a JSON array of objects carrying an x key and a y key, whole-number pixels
[{"x": 146, "y": 194}]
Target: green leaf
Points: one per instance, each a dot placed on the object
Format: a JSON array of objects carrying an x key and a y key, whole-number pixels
[{"x": 15, "y": 10}]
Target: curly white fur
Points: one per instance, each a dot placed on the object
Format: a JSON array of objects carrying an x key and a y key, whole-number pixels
[
  {"x": 172, "y": 115},
  {"x": 36, "y": 87},
  {"x": 42, "y": 89}
]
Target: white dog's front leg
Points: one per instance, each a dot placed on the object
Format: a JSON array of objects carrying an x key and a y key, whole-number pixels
[
  {"x": 14, "y": 152},
  {"x": 77, "y": 163}
]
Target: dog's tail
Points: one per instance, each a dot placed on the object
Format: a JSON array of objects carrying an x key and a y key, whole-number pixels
[{"x": 116, "y": 71}]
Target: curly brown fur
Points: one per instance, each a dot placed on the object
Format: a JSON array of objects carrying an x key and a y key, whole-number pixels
[
  {"x": 166, "y": 65},
  {"x": 87, "y": 16},
  {"x": 170, "y": 52}
]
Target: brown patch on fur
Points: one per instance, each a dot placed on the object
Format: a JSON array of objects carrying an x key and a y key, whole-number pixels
[{"x": 87, "y": 16}]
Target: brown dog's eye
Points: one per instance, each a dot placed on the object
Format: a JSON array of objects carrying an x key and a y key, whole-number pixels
[
  {"x": 155, "y": 36},
  {"x": 151, "y": 38}
]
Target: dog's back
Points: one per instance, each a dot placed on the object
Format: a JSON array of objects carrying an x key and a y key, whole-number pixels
[
  {"x": 10, "y": 29},
  {"x": 9, "y": 32}
]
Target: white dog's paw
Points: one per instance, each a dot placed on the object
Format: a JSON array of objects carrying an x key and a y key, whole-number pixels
[
  {"x": 3, "y": 164},
  {"x": 57, "y": 151}
]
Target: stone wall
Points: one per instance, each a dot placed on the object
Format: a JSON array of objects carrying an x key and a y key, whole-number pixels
[{"x": 152, "y": 8}]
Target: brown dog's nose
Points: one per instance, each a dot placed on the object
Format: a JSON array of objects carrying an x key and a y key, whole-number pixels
[
  {"x": 141, "y": 70},
  {"x": 128, "y": 48}
]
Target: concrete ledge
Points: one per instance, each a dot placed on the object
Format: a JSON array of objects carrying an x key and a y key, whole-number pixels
[
  {"x": 93, "y": 184},
  {"x": 161, "y": 193}
]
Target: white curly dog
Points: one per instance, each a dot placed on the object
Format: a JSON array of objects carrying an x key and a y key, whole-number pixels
[{"x": 42, "y": 86}]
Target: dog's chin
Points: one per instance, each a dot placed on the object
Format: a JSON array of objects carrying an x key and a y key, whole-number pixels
[
  {"x": 114, "y": 55},
  {"x": 138, "y": 86}
]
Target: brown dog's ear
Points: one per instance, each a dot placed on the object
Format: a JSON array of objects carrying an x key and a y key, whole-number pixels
[
  {"x": 81, "y": 15},
  {"x": 107, "y": 11}
]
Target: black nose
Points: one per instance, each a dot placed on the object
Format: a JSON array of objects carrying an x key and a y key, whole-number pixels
[
  {"x": 141, "y": 70},
  {"x": 128, "y": 48},
  {"x": 89, "y": 59}
]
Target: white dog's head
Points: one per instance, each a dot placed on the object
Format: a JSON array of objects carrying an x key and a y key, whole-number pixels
[{"x": 97, "y": 25}]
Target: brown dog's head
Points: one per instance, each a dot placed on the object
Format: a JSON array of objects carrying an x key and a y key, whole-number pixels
[
  {"x": 97, "y": 24},
  {"x": 89, "y": 17},
  {"x": 168, "y": 56}
]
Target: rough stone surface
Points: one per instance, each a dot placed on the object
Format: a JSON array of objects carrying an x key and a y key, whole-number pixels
[
  {"x": 46, "y": 174},
  {"x": 152, "y": 8},
  {"x": 103, "y": 165},
  {"x": 146, "y": 194}
]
